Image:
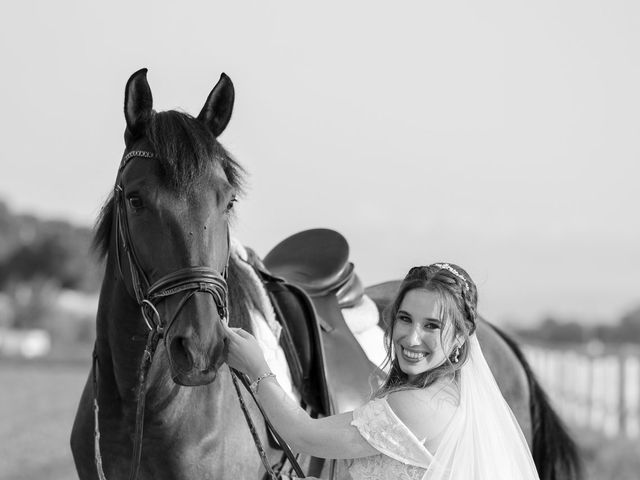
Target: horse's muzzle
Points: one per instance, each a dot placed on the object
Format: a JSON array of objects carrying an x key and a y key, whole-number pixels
[
  {"x": 195, "y": 379},
  {"x": 190, "y": 365}
]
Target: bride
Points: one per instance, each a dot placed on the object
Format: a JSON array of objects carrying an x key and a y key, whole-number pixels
[{"x": 438, "y": 416}]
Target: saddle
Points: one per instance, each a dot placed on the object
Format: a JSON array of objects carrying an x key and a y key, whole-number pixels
[{"x": 309, "y": 279}]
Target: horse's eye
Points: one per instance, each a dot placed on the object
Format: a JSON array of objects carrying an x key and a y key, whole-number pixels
[
  {"x": 135, "y": 202},
  {"x": 233, "y": 200}
]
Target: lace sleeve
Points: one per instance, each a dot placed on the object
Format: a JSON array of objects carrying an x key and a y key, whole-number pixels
[{"x": 384, "y": 431}]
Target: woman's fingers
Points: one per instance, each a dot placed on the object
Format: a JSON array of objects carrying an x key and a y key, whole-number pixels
[
  {"x": 240, "y": 332},
  {"x": 236, "y": 330},
  {"x": 244, "y": 352},
  {"x": 232, "y": 332},
  {"x": 243, "y": 333},
  {"x": 226, "y": 328}
]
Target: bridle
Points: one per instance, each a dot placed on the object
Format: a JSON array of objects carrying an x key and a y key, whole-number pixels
[
  {"x": 190, "y": 279},
  {"x": 187, "y": 281}
]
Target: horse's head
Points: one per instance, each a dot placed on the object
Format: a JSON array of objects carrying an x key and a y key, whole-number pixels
[{"x": 169, "y": 232}]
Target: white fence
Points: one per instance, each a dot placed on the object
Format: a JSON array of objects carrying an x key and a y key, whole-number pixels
[{"x": 596, "y": 388}]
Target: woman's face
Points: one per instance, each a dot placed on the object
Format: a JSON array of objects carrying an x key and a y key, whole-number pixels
[{"x": 417, "y": 333}]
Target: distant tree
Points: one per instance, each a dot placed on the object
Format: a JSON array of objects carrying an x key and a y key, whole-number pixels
[
  {"x": 32, "y": 303},
  {"x": 629, "y": 326},
  {"x": 32, "y": 249},
  {"x": 54, "y": 258},
  {"x": 570, "y": 332},
  {"x": 552, "y": 330},
  {"x": 8, "y": 231}
]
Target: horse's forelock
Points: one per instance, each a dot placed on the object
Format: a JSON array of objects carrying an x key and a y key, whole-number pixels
[{"x": 187, "y": 150}]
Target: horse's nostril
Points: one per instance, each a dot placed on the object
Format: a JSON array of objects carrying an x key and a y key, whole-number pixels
[{"x": 180, "y": 355}]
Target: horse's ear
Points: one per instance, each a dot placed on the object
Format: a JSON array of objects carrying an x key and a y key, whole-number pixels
[
  {"x": 217, "y": 110},
  {"x": 138, "y": 103}
]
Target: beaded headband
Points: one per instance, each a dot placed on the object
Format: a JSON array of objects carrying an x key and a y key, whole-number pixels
[{"x": 446, "y": 266}]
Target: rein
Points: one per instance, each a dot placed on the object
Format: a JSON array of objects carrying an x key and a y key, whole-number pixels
[{"x": 269, "y": 471}]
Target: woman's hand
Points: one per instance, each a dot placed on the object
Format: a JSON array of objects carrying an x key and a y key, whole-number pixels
[{"x": 244, "y": 353}]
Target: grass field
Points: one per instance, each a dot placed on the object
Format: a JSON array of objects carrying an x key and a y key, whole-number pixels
[
  {"x": 38, "y": 402},
  {"x": 37, "y": 406}
]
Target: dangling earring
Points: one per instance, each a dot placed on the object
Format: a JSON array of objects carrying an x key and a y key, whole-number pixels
[{"x": 455, "y": 356}]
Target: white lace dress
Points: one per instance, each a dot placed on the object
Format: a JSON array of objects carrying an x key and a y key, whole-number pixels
[
  {"x": 472, "y": 432},
  {"x": 402, "y": 455}
]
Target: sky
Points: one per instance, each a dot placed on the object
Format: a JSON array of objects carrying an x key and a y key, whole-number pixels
[{"x": 501, "y": 136}]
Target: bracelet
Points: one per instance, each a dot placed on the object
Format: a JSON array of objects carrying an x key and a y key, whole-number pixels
[{"x": 254, "y": 386}]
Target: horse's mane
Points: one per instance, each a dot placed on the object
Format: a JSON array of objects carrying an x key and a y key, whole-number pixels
[
  {"x": 186, "y": 150},
  {"x": 242, "y": 296}
]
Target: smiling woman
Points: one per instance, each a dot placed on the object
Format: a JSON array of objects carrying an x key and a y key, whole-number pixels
[
  {"x": 439, "y": 415},
  {"x": 429, "y": 325},
  {"x": 418, "y": 337}
]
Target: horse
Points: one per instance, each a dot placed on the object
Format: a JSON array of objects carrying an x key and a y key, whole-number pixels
[
  {"x": 159, "y": 401},
  {"x": 168, "y": 219}
]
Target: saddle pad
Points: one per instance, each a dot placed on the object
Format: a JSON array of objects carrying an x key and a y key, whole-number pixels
[
  {"x": 362, "y": 316},
  {"x": 362, "y": 320}
]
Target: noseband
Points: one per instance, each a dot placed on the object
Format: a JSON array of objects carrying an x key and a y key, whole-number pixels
[{"x": 189, "y": 279}]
